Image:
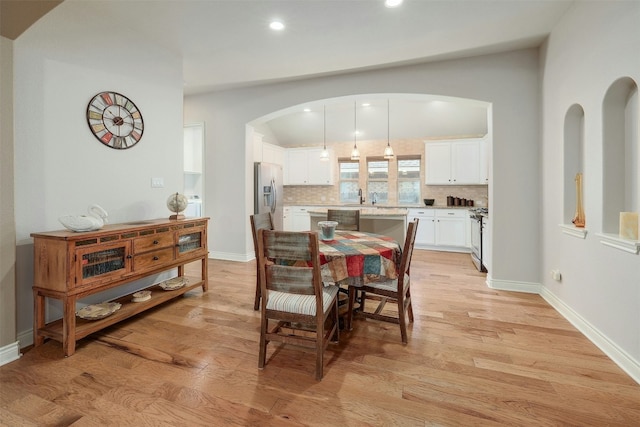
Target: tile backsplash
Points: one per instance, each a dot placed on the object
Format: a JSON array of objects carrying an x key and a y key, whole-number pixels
[{"x": 329, "y": 195}]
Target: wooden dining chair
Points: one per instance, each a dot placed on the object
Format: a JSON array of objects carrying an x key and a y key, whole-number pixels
[
  {"x": 347, "y": 219},
  {"x": 296, "y": 307},
  {"x": 397, "y": 290},
  {"x": 262, "y": 221}
]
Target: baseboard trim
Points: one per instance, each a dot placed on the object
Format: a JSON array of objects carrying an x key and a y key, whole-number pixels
[
  {"x": 9, "y": 353},
  {"x": 25, "y": 338},
  {"x": 615, "y": 353},
  {"x": 509, "y": 285},
  {"x": 457, "y": 249},
  {"x": 231, "y": 256},
  {"x": 608, "y": 347}
]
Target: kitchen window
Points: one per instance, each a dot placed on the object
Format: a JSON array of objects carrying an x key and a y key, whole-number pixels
[
  {"x": 349, "y": 176},
  {"x": 378, "y": 180},
  {"x": 409, "y": 180}
]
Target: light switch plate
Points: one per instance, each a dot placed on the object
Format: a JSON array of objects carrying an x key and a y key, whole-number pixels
[{"x": 157, "y": 182}]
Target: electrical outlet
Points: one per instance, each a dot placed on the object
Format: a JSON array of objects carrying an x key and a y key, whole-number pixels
[
  {"x": 555, "y": 275},
  {"x": 157, "y": 182}
]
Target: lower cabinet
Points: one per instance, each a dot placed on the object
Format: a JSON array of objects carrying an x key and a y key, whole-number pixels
[
  {"x": 426, "y": 233},
  {"x": 300, "y": 218},
  {"x": 441, "y": 229},
  {"x": 287, "y": 219},
  {"x": 451, "y": 227}
]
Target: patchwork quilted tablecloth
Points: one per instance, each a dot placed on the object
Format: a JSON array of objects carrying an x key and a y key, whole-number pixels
[{"x": 355, "y": 255}]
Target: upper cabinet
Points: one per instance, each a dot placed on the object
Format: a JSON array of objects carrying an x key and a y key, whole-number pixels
[
  {"x": 194, "y": 160},
  {"x": 193, "y": 147},
  {"x": 273, "y": 154},
  {"x": 304, "y": 167},
  {"x": 265, "y": 152},
  {"x": 485, "y": 158},
  {"x": 455, "y": 162}
]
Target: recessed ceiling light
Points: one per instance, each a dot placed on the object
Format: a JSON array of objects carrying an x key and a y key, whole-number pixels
[
  {"x": 306, "y": 110},
  {"x": 365, "y": 104},
  {"x": 276, "y": 25},
  {"x": 392, "y": 3}
]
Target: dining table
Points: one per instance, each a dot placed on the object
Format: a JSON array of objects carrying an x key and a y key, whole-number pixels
[{"x": 354, "y": 257}]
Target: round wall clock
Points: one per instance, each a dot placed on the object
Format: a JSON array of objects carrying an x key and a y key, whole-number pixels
[{"x": 115, "y": 120}]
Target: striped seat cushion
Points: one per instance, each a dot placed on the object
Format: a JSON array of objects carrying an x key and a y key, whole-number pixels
[
  {"x": 300, "y": 304},
  {"x": 389, "y": 285}
]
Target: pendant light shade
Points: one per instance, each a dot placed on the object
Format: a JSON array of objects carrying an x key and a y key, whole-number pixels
[
  {"x": 355, "y": 154},
  {"x": 388, "y": 151},
  {"x": 324, "y": 154}
]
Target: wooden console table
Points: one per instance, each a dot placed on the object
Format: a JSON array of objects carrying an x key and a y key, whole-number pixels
[{"x": 69, "y": 266}]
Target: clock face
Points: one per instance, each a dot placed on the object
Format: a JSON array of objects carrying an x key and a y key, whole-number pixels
[{"x": 115, "y": 120}]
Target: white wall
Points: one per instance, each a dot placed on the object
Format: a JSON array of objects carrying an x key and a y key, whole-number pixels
[
  {"x": 509, "y": 81},
  {"x": 60, "y": 167},
  {"x": 595, "y": 44}
]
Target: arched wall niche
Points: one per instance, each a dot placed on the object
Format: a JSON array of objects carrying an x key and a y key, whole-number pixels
[
  {"x": 573, "y": 158},
  {"x": 620, "y": 152}
]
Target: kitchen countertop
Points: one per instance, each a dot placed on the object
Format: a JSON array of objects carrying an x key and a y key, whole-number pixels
[
  {"x": 369, "y": 207},
  {"x": 369, "y": 212}
]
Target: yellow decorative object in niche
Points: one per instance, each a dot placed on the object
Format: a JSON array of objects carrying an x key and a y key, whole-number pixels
[{"x": 629, "y": 225}]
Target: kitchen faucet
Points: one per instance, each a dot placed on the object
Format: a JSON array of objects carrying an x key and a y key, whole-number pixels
[
  {"x": 374, "y": 198},
  {"x": 360, "y": 195}
]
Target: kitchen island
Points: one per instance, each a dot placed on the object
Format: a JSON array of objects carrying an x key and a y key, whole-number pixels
[{"x": 390, "y": 222}]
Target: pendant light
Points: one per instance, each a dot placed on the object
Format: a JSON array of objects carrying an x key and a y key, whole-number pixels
[
  {"x": 355, "y": 154},
  {"x": 388, "y": 151},
  {"x": 324, "y": 154}
]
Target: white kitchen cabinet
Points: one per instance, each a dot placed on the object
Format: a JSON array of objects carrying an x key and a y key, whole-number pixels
[
  {"x": 265, "y": 152},
  {"x": 454, "y": 162},
  {"x": 485, "y": 159},
  {"x": 438, "y": 163},
  {"x": 451, "y": 227},
  {"x": 193, "y": 148},
  {"x": 426, "y": 233},
  {"x": 287, "y": 219},
  {"x": 273, "y": 154},
  {"x": 304, "y": 167},
  {"x": 300, "y": 218},
  {"x": 441, "y": 229}
]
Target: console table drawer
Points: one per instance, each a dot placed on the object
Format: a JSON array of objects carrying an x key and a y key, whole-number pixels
[
  {"x": 152, "y": 242},
  {"x": 152, "y": 259}
]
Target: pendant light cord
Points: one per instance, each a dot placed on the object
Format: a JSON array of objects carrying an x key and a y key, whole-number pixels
[{"x": 324, "y": 154}]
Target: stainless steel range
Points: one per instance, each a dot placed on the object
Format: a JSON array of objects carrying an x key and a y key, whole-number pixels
[{"x": 477, "y": 216}]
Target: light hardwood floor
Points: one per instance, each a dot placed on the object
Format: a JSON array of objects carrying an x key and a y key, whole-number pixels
[{"x": 475, "y": 357}]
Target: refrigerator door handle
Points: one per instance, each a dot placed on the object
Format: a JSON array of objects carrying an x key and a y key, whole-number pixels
[{"x": 274, "y": 190}]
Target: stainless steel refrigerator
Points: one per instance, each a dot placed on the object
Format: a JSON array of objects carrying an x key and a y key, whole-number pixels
[{"x": 267, "y": 192}]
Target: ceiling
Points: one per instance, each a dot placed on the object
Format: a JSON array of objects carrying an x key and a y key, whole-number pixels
[
  {"x": 376, "y": 117},
  {"x": 18, "y": 15},
  {"x": 227, "y": 44}
]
